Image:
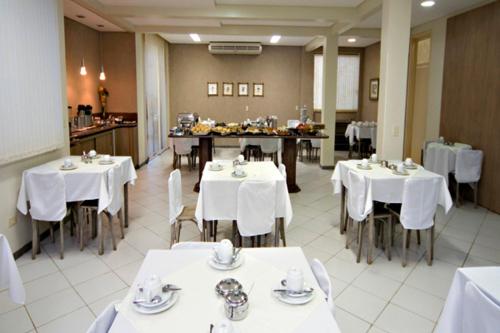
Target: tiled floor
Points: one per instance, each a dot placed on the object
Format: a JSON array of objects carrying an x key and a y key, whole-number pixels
[{"x": 65, "y": 295}]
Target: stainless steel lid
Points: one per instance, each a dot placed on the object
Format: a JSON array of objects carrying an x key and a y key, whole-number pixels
[
  {"x": 227, "y": 286},
  {"x": 237, "y": 299}
]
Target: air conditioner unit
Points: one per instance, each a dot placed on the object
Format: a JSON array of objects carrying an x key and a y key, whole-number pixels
[{"x": 235, "y": 48}]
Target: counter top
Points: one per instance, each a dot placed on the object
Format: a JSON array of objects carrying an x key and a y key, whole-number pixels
[
  {"x": 260, "y": 136},
  {"x": 79, "y": 134}
]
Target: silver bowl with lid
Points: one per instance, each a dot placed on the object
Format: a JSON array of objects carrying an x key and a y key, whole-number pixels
[
  {"x": 236, "y": 305},
  {"x": 228, "y": 286}
]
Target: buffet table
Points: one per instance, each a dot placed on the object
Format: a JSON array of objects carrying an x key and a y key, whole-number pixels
[{"x": 289, "y": 157}]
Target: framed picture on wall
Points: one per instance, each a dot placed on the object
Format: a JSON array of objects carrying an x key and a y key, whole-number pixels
[
  {"x": 227, "y": 89},
  {"x": 242, "y": 89},
  {"x": 373, "y": 89},
  {"x": 213, "y": 88},
  {"x": 258, "y": 89}
]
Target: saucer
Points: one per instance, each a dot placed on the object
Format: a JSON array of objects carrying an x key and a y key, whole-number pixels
[
  {"x": 165, "y": 297},
  {"x": 413, "y": 166},
  {"x": 396, "y": 172},
  {"x": 360, "y": 166},
  {"x": 294, "y": 300},
  {"x": 243, "y": 175},
  {"x": 103, "y": 162},
  {"x": 213, "y": 167},
  {"x": 215, "y": 264},
  {"x": 158, "y": 308},
  {"x": 71, "y": 167},
  {"x": 243, "y": 163}
]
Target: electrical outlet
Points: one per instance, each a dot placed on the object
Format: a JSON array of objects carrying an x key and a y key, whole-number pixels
[
  {"x": 395, "y": 131},
  {"x": 12, "y": 221},
  {"x": 246, "y": 107}
]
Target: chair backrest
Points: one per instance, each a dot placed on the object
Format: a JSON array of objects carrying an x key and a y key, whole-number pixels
[
  {"x": 193, "y": 246},
  {"x": 480, "y": 313},
  {"x": 47, "y": 195},
  {"x": 315, "y": 143},
  {"x": 468, "y": 165},
  {"x": 420, "y": 199},
  {"x": 175, "y": 206},
  {"x": 269, "y": 146},
  {"x": 282, "y": 169},
  {"x": 104, "y": 321},
  {"x": 356, "y": 196},
  {"x": 323, "y": 279},
  {"x": 254, "y": 141},
  {"x": 182, "y": 146},
  {"x": 256, "y": 207}
]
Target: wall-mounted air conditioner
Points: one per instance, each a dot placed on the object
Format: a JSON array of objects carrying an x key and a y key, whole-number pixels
[{"x": 235, "y": 48}]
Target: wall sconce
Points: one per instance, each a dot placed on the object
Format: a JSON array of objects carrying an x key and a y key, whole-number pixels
[
  {"x": 83, "y": 70},
  {"x": 102, "y": 76}
]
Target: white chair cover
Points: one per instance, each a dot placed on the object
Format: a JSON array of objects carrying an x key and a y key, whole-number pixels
[
  {"x": 282, "y": 169},
  {"x": 115, "y": 190},
  {"x": 9, "y": 274},
  {"x": 254, "y": 142},
  {"x": 356, "y": 196},
  {"x": 269, "y": 146},
  {"x": 182, "y": 146},
  {"x": 104, "y": 321},
  {"x": 323, "y": 279},
  {"x": 46, "y": 194},
  {"x": 256, "y": 207},
  {"x": 468, "y": 165},
  {"x": 316, "y": 143},
  {"x": 175, "y": 206},
  {"x": 480, "y": 312},
  {"x": 193, "y": 246},
  {"x": 420, "y": 200}
]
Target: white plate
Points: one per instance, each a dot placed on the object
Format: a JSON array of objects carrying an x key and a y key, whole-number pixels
[
  {"x": 410, "y": 167},
  {"x": 396, "y": 172},
  {"x": 103, "y": 162},
  {"x": 243, "y": 163},
  {"x": 283, "y": 297},
  {"x": 72, "y": 167},
  {"x": 212, "y": 262},
  {"x": 215, "y": 168},
  {"x": 239, "y": 176},
  {"x": 165, "y": 306},
  {"x": 360, "y": 166},
  {"x": 165, "y": 297}
]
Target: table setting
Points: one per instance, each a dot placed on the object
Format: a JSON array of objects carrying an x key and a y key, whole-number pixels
[
  {"x": 241, "y": 300},
  {"x": 440, "y": 157}
]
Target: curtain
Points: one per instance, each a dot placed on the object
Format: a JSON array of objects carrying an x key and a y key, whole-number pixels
[{"x": 31, "y": 89}]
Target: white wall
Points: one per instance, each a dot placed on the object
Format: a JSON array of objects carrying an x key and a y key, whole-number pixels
[{"x": 19, "y": 233}]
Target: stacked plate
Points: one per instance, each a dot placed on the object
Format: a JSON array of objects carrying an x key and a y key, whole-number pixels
[
  {"x": 160, "y": 303},
  {"x": 236, "y": 262},
  {"x": 294, "y": 297}
]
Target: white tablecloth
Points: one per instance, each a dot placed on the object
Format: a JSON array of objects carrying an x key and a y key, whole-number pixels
[
  {"x": 9, "y": 274},
  {"x": 487, "y": 279},
  {"x": 362, "y": 132},
  {"x": 198, "y": 305},
  {"x": 383, "y": 185},
  {"x": 87, "y": 182},
  {"x": 440, "y": 158},
  {"x": 218, "y": 195}
]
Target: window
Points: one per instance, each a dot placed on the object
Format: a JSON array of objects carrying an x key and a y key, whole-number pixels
[{"x": 347, "y": 82}]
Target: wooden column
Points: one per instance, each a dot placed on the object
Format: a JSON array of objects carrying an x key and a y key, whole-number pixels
[
  {"x": 290, "y": 162},
  {"x": 204, "y": 156}
]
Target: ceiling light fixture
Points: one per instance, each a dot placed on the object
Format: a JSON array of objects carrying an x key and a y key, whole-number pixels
[
  {"x": 80, "y": 16},
  {"x": 195, "y": 37},
  {"x": 83, "y": 70},
  {"x": 351, "y": 40},
  {"x": 275, "y": 39},
  {"x": 102, "y": 76},
  {"x": 427, "y": 3}
]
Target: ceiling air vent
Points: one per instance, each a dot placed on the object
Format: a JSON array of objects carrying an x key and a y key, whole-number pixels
[{"x": 235, "y": 48}]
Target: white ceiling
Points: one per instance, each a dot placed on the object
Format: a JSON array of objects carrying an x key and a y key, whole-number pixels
[
  {"x": 92, "y": 20},
  {"x": 288, "y": 41},
  {"x": 212, "y": 3}
]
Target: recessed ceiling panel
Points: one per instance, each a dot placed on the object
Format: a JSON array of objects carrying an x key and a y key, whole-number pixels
[
  {"x": 161, "y": 3},
  {"x": 360, "y": 41},
  {"x": 205, "y": 39},
  {"x": 176, "y": 22},
  {"x": 309, "y": 3},
  {"x": 292, "y": 23},
  {"x": 90, "y": 19}
]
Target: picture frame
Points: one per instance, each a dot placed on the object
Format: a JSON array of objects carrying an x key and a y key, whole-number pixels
[
  {"x": 227, "y": 89},
  {"x": 374, "y": 84},
  {"x": 212, "y": 89},
  {"x": 242, "y": 89},
  {"x": 258, "y": 89}
]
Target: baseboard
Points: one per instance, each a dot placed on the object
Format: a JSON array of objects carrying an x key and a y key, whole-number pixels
[
  {"x": 27, "y": 247},
  {"x": 327, "y": 167}
]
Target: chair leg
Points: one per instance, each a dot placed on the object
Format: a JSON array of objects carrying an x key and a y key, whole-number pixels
[
  {"x": 80, "y": 228},
  {"x": 122, "y": 223},
  {"x": 215, "y": 230},
  {"x": 100, "y": 238},
  {"x": 51, "y": 229},
  {"x": 282, "y": 231},
  {"x": 110, "y": 220},
  {"x": 34, "y": 239},
  {"x": 347, "y": 231},
  {"x": 387, "y": 240},
  {"x": 61, "y": 233},
  {"x": 406, "y": 235},
  {"x": 172, "y": 234},
  {"x": 277, "y": 233},
  {"x": 409, "y": 239},
  {"x": 178, "y": 227},
  {"x": 457, "y": 195},
  {"x": 430, "y": 241},
  {"x": 360, "y": 240},
  {"x": 418, "y": 237},
  {"x": 474, "y": 187}
]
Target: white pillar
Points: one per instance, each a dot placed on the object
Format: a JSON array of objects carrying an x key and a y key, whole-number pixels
[
  {"x": 328, "y": 113},
  {"x": 396, "y": 21}
]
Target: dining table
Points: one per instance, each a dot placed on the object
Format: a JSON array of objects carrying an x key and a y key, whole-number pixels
[
  {"x": 288, "y": 148},
  {"x": 218, "y": 197},
  {"x": 86, "y": 181},
  {"x": 383, "y": 185},
  {"x": 441, "y": 158},
  {"x": 357, "y": 131},
  {"x": 198, "y": 306},
  {"x": 463, "y": 308}
]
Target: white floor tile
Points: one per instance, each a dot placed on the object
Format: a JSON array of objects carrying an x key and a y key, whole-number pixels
[
  {"x": 343, "y": 270},
  {"x": 98, "y": 306},
  {"x": 349, "y": 323},
  {"x": 397, "y": 320},
  {"x": 377, "y": 284},
  {"x": 360, "y": 303},
  {"x": 16, "y": 321},
  {"x": 37, "y": 269},
  {"x": 419, "y": 302},
  {"x": 76, "y": 322},
  {"x": 54, "y": 306},
  {"x": 45, "y": 286},
  {"x": 6, "y": 303},
  {"x": 100, "y": 286},
  {"x": 85, "y": 271}
]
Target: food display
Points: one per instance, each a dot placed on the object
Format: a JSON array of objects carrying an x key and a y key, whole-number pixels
[
  {"x": 200, "y": 129},
  {"x": 253, "y": 130},
  {"x": 282, "y": 130},
  {"x": 221, "y": 130},
  {"x": 269, "y": 131}
]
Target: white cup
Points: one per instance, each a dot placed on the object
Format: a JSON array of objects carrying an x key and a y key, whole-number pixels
[
  {"x": 294, "y": 280},
  {"x": 408, "y": 161},
  {"x": 374, "y": 157},
  {"x": 359, "y": 123},
  {"x": 364, "y": 163},
  {"x": 225, "y": 326},
  {"x": 152, "y": 287},
  {"x": 241, "y": 158},
  {"x": 92, "y": 153},
  {"x": 68, "y": 162},
  {"x": 400, "y": 168},
  {"x": 106, "y": 158},
  {"x": 224, "y": 251},
  {"x": 441, "y": 139}
]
